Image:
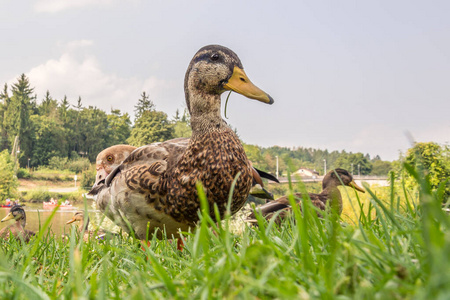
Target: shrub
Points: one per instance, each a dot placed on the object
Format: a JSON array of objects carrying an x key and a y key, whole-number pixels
[
  {"x": 8, "y": 181},
  {"x": 23, "y": 173},
  {"x": 88, "y": 178},
  {"x": 57, "y": 163},
  {"x": 79, "y": 165}
]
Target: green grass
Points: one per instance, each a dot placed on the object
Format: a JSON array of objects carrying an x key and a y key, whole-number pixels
[{"x": 397, "y": 248}]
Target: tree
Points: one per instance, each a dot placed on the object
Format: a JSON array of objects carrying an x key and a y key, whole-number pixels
[
  {"x": 381, "y": 168},
  {"x": 144, "y": 104},
  {"x": 5, "y": 100},
  {"x": 181, "y": 125},
  {"x": 361, "y": 165},
  {"x": 17, "y": 117},
  {"x": 119, "y": 127},
  {"x": 152, "y": 126},
  {"x": 431, "y": 159},
  {"x": 93, "y": 132},
  {"x": 48, "y": 107},
  {"x": 49, "y": 140}
]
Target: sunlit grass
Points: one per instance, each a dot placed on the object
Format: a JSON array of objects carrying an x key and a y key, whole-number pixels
[{"x": 397, "y": 248}]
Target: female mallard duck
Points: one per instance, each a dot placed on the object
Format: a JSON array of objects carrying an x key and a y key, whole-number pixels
[
  {"x": 154, "y": 189},
  {"x": 18, "y": 228},
  {"x": 330, "y": 195}
]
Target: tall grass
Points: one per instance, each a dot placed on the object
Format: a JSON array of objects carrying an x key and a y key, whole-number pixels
[{"x": 395, "y": 246}]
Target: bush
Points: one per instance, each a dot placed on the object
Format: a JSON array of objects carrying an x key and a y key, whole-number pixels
[
  {"x": 79, "y": 165},
  {"x": 57, "y": 163},
  {"x": 23, "y": 173},
  {"x": 8, "y": 181},
  {"x": 88, "y": 178}
]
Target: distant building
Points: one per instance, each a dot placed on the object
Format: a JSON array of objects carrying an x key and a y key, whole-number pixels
[{"x": 305, "y": 172}]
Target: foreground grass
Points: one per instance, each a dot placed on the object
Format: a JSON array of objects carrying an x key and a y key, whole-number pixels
[{"x": 397, "y": 248}]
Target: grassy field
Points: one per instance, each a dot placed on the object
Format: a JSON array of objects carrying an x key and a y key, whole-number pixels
[{"x": 391, "y": 244}]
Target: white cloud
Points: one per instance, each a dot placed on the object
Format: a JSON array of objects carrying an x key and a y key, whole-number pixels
[
  {"x": 53, "y": 6},
  {"x": 84, "y": 77},
  {"x": 75, "y": 45}
]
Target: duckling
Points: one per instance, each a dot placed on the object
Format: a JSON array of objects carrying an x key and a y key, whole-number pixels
[
  {"x": 330, "y": 195},
  {"x": 84, "y": 224},
  {"x": 155, "y": 188},
  {"x": 18, "y": 228}
]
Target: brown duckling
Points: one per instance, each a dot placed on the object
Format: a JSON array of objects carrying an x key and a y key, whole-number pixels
[
  {"x": 154, "y": 189},
  {"x": 84, "y": 224},
  {"x": 330, "y": 195},
  {"x": 18, "y": 228}
]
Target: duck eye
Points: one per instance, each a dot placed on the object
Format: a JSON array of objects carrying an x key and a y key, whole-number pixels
[
  {"x": 109, "y": 158},
  {"x": 215, "y": 57}
]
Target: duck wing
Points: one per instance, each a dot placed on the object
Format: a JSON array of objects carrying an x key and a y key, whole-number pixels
[{"x": 283, "y": 206}]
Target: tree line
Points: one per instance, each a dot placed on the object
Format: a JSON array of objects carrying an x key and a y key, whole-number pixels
[
  {"x": 52, "y": 128},
  {"x": 55, "y": 128}
]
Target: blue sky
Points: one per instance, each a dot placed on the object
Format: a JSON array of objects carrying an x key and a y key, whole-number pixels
[{"x": 353, "y": 75}]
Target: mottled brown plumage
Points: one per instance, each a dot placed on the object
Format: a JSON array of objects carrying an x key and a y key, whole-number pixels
[
  {"x": 83, "y": 224},
  {"x": 18, "y": 228},
  {"x": 155, "y": 186},
  {"x": 330, "y": 196},
  {"x": 110, "y": 158}
]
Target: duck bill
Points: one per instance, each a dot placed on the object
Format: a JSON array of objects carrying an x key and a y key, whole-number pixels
[
  {"x": 356, "y": 187},
  {"x": 8, "y": 217},
  {"x": 101, "y": 174},
  {"x": 240, "y": 83},
  {"x": 71, "y": 221}
]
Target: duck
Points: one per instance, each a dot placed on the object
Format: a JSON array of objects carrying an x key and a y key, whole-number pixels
[
  {"x": 83, "y": 225},
  {"x": 330, "y": 196},
  {"x": 154, "y": 190},
  {"x": 110, "y": 158},
  {"x": 18, "y": 228}
]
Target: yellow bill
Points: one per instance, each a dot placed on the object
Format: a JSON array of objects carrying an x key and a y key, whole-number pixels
[
  {"x": 8, "y": 217},
  {"x": 71, "y": 221},
  {"x": 356, "y": 187},
  {"x": 240, "y": 83}
]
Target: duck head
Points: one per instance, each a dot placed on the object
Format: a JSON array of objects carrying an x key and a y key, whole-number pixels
[
  {"x": 109, "y": 159},
  {"x": 213, "y": 70},
  {"x": 79, "y": 217},
  {"x": 331, "y": 179},
  {"x": 17, "y": 213}
]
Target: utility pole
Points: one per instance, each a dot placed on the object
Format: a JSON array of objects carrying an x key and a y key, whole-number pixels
[
  {"x": 277, "y": 165},
  {"x": 324, "y": 167}
]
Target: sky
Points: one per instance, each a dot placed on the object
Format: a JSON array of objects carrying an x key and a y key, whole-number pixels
[{"x": 359, "y": 76}]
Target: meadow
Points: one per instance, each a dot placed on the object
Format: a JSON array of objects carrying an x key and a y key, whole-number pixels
[{"x": 389, "y": 244}]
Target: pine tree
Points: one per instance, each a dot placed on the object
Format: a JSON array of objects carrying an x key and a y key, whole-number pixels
[
  {"x": 17, "y": 117},
  {"x": 144, "y": 104},
  {"x": 5, "y": 100}
]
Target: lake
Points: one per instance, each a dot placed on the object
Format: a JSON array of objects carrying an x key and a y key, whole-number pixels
[{"x": 36, "y": 217}]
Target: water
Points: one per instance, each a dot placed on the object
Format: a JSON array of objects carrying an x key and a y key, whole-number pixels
[{"x": 37, "y": 215}]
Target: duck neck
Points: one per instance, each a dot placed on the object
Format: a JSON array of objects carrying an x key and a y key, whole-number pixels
[
  {"x": 205, "y": 114},
  {"x": 334, "y": 195},
  {"x": 22, "y": 221},
  {"x": 81, "y": 226}
]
